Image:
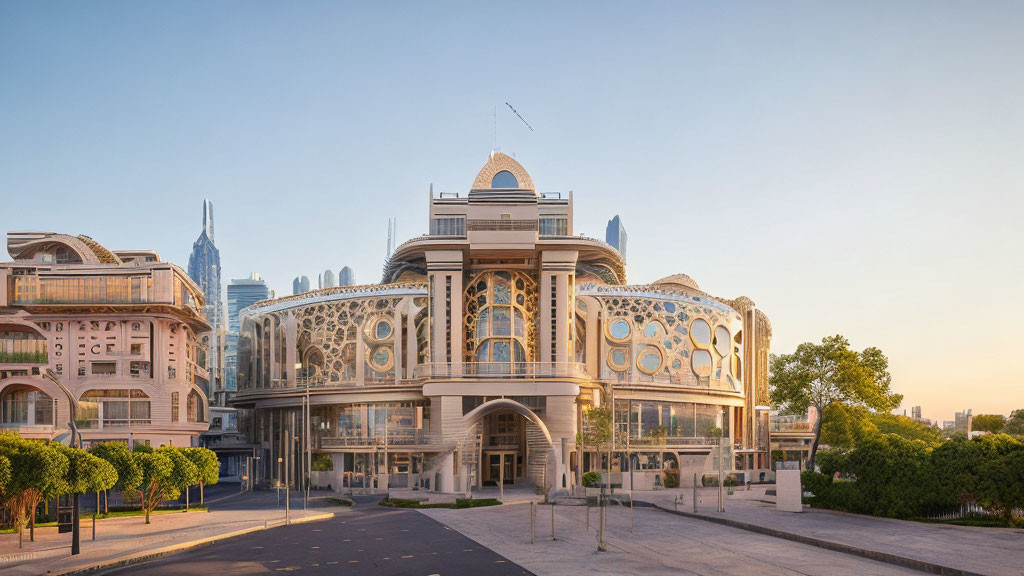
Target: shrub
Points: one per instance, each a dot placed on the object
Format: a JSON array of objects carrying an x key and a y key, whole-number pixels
[
  {"x": 671, "y": 479},
  {"x": 322, "y": 463},
  {"x": 591, "y": 478},
  {"x": 816, "y": 483}
]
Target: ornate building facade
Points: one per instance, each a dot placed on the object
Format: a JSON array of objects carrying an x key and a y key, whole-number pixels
[
  {"x": 113, "y": 332},
  {"x": 480, "y": 355}
]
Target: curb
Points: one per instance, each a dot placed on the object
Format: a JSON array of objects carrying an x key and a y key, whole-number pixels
[
  {"x": 148, "y": 555},
  {"x": 895, "y": 560}
]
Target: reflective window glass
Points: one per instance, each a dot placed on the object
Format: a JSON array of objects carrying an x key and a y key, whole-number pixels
[
  {"x": 502, "y": 321},
  {"x": 504, "y": 179},
  {"x": 701, "y": 361},
  {"x": 700, "y": 331},
  {"x": 722, "y": 343},
  {"x": 501, "y": 351},
  {"x": 619, "y": 329}
]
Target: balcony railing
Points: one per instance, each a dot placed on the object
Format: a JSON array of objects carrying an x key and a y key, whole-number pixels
[
  {"x": 792, "y": 426},
  {"x": 687, "y": 381},
  {"x": 394, "y": 437},
  {"x": 514, "y": 370}
]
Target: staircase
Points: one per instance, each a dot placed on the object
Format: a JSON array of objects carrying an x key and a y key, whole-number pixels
[{"x": 538, "y": 450}]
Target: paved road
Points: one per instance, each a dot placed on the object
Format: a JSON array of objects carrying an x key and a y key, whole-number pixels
[{"x": 368, "y": 539}]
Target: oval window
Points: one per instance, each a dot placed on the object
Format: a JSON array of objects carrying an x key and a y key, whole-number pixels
[
  {"x": 381, "y": 358},
  {"x": 722, "y": 344},
  {"x": 382, "y": 330},
  {"x": 619, "y": 329},
  {"x": 700, "y": 331},
  {"x": 701, "y": 361},
  {"x": 650, "y": 360},
  {"x": 617, "y": 359}
]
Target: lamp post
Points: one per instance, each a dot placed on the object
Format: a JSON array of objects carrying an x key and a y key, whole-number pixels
[
  {"x": 76, "y": 442},
  {"x": 306, "y": 415},
  {"x": 721, "y": 464}
]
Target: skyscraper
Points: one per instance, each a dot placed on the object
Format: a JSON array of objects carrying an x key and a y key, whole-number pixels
[
  {"x": 204, "y": 269},
  {"x": 616, "y": 236},
  {"x": 327, "y": 279},
  {"x": 346, "y": 277},
  {"x": 300, "y": 284},
  {"x": 242, "y": 292}
]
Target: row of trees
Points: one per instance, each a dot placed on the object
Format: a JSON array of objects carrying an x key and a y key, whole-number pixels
[
  {"x": 159, "y": 474},
  {"x": 34, "y": 471},
  {"x": 888, "y": 475},
  {"x": 997, "y": 423}
]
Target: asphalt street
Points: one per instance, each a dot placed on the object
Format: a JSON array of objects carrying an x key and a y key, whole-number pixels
[{"x": 368, "y": 539}]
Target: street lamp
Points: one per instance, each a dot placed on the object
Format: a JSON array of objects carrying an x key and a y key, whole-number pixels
[
  {"x": 76, "y": 442},
  {"x": 721, "y": 463}
]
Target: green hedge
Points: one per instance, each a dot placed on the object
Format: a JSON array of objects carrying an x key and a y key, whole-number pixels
[{"x": 891, "y": 476}]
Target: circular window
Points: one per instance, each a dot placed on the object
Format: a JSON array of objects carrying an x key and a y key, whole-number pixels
[
  {"x": 617, "y": 359},
  {"x": 700, "y": 331},
  {"x": 650, "y": 360},
  {"x": 701, "y": 361},
  {"x": 380, "y": 359},
  {"x": 722, "y": 343},
  {"x": 382, "y": 330},
  {"x": 619, "y": 329}
]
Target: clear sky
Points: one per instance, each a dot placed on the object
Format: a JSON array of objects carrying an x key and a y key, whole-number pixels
[{"x": 853, "y": 168}]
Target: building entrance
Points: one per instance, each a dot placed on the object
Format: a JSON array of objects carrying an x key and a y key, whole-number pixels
[
  {"x": 500, "y": 467},
  {"x": 503, "y": 444}
]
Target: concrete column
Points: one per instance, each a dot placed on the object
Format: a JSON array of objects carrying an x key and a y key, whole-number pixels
[
  {"x": 411, "y": 351},
  {"x": 561, "y": 311},
  {"x": 544, "y": 326},
  {"x": 396, "y": 343},
  {"x": 457, "y": 333},
  {"x": 446, "y": 476}
]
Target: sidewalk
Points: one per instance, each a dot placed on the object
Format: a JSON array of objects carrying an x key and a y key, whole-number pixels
[
  {"x": 958, "y": 549},
  {"x": 123, "y": 539},
  {"x": 660, "y": 544}
]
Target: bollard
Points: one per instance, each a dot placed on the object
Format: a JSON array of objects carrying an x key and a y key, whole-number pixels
[
  {"x": 533, "y": 515},
  {"x": 694, "y": 492},
  {"x": 588, "y": 515},
  {"x": 94, "y": 520},
  {"x": 631, "y": 511},
  {"x": 552, "y": 520}
]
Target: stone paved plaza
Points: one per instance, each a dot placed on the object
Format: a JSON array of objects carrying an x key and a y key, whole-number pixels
[{"x": 660, "y": 544}]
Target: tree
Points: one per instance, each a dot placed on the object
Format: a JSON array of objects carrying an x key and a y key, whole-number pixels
[
  {"x": 207, "y": 465},
  {"x": 156, "y": 483},
  {"x": 183, "y": 472},
  {"x": 597, "y": 432},
  {"x": 989, "y": 423},
  {"x": 86, "y": 472},
  {"x": 127, "y": 466},
  {"x": 1015, "y": 425},
  {"x": 38, "y": 471},
  {"x": 906, "y": 428},
  {"x": 821, "y": 375},
  {"x": 999, "y": 485}
]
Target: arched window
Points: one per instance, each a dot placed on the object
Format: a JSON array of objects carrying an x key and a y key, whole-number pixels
[
  {"x": 499, "y": 308},
  {"x": 113, "y": 408},
  {"x": 504, "y": 179},
  {"x": 196, "y": 408},
  {"x": 27, "y": 405}
]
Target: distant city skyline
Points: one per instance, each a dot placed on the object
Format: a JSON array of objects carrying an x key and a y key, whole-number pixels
[{"x": 858, "y": 165}]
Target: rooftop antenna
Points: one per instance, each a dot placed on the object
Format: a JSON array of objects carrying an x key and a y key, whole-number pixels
[{"x": 520, "y": 117}]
